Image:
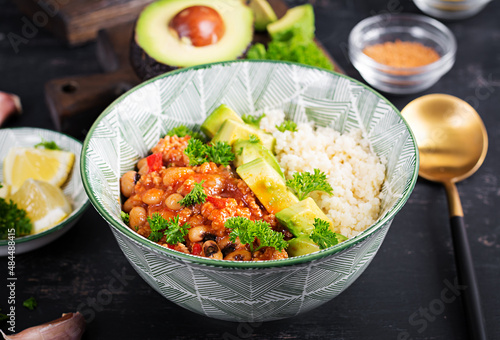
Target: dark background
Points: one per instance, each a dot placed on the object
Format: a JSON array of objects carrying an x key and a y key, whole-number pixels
[{"x": 405, "y": 278}]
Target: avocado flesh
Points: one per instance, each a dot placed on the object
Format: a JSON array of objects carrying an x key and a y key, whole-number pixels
[
  {"x": 215, "y": 120},
  {"x": 297, "y": 20},
  {"x": 301, "y": 245},
  {"x": 158, "y": 42},
  {"x": 232, "y": 130},
  {"x": 267, "y": 184},
  {"x": 246, "y": 151},
  {"x": 299, "y": 218},
  {"x": 264, "y": 14}
]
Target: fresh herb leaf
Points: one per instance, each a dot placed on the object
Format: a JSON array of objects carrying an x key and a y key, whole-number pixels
[
  {"x": 30, "y": 303},
  {"x": 170, "y": 228},
  {"x": 323, "y": 236},
  {"x": 220, "y": 153},
  {"x": 183, "y": 130},
  {"x": 240, "y": 151},
  {"x": 247, "y": 231},
  {"x": 197, "y": 195},
  {"x": 287, "y": 125},
  {"x": 304, "y": 183},
  {"x": 254, "y": 139},
  {"x": 1, "y": 186},
  {"x": 253, "y": 120},
  {"x": 125, "y": 217},
  {"x": 12, "y": 217},
  {"x": 49, "y": 145},
  {"x": 196, "y": 150},
  {"x": 199, "y": 153}
]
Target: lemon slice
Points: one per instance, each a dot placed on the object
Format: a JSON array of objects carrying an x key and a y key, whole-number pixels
[
  {"x": 51, "y": 166},
  {"x": 45, "y": 204}
]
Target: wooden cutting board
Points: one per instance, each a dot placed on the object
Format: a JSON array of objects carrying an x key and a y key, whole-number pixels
[
  {"x": 78, "y": 21},
  {"x": 75, "y": 102}
]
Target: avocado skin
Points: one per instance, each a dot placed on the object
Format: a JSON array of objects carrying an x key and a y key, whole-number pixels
[{"x": 144, "y": 66}]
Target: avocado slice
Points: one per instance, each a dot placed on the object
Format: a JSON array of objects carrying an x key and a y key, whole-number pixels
[
  {"x": 264, "y": 14},
  {"x": 299, "y": 218},
  {"x": 301, "y": 245},
  {"x": 267, "y": 184},
  {"x": 232, "y": 130},
  {"x": 215, "y": 120},
  {"x": 297, "y": 21},
  {"x": 168, "y": 36},
  {"x": 246, "y": 151}
]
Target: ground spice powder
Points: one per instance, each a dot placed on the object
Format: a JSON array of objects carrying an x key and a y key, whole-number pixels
[{"x": 402, "y": 53}]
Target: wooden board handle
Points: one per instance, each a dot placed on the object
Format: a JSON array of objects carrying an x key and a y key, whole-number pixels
[{"x": 67, "y": 97}]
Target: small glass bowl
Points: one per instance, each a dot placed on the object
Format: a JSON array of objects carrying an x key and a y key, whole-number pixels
[
  {"x": 405, "y": 27},
  {"x": 451, "y": 10}
]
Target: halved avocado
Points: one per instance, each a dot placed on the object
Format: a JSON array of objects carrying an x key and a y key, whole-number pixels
[{"x": 172, "y": 34}]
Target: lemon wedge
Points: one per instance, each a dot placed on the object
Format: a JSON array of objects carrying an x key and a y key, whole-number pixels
[
  {"x": 44, "y": 203},
  {"x": 52, "y": 166},
  {"x": 4, "y": 190}
]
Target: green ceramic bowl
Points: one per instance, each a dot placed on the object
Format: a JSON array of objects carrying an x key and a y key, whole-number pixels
[
  {"x": 73, "y": 188},
  {"x": 246, "y": 291}
]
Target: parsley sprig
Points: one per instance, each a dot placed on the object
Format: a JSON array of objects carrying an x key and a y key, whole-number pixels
[
  {"x": 323, "y": 236},
  {"x": 287, "y": 125},
  {"x": 303, "y": 183},
  {"x": 49, "y": 145},
  {"x": 254, "y": 139},
  {"x": 197, "y": 195},
  {"x": 170, "y": 228},
  {"x": 183, "y": 130},
  {"x": 248, "y": 231},
  {"x": 253, "y": 120},
  {"x": 13, "y": 217},
  {"x": 199, "y": 153}
]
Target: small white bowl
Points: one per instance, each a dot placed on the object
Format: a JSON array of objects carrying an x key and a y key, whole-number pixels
[
  {"x": 73, "y": 188},
  {"x": 451, "y": 10}
]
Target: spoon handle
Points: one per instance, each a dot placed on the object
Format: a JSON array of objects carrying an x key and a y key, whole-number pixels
[{"x": 467, "y": 279}]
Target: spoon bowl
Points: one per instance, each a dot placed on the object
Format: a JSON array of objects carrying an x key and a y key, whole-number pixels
[
  {"x": 451, "y": 137},
  {"x": 452, "y": 142}
]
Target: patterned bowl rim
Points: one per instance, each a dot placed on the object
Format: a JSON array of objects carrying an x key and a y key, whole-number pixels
[
  {"x": 75, "y": 214},
  {"x": 142, "y": 241}
]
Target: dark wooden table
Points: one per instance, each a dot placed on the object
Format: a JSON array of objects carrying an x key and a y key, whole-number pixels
[{"x": 399, "y": 295}]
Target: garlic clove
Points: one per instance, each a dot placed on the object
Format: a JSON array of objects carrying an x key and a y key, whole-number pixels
[{"x": 68, "y": 327}]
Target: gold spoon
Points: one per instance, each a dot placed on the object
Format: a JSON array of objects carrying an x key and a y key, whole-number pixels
[{"x": 452, "y": 143}]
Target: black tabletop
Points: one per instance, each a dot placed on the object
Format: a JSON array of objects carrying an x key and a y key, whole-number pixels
[{"x": 398, "y": 296}]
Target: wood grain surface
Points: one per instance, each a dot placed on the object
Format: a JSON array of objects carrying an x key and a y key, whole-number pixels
[
  {"x": 78, "y": 21},
  {"x": 403, "y": 283}
]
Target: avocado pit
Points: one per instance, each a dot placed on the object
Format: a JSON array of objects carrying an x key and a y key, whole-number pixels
[{"x": 201, "y": 25}]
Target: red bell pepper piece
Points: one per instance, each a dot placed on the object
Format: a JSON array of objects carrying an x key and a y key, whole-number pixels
[
  {"x": 219, "y": 203},
  {"x": 196, "y": 249},
  {"x": 155, "y": 162}
]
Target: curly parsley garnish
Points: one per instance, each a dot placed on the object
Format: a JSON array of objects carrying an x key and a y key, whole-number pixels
[
  {"x": 197, "y": 195},
  {"x": 253, "y": 120},
  {"x": 220, "y": 153},
  {"x": 254, "y": 139},
  {"x": 199, "y": 153},
  {"x": 125, "y": 217},
  {"x": 287, "y": 125},
  {"x": 30, "y": 303},
  {"x": 12, "y": 217},
  {"x": 49, "y": 145},
  {"x": 304, "y": 183},
  {"x": 170, "y": 228},
  {"x": 323, "y": 236},
  {"x": 183, "y": 130},
  {"x": 248, "y": 231}
]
